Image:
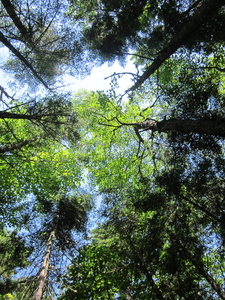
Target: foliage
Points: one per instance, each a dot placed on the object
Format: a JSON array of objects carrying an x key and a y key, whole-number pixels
[
  {"x": 14, "y": 256},
  {"x": 114, "y": 27},
  {"x": 160, "y": 231},
  {"x": 150, "y": 247},
  {"x": 163, "y": 192},
  {"x": 41, "y": 49},
  {"x": 36, "y": 150}
]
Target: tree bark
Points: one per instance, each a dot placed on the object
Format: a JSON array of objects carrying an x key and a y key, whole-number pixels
[
  {"x": 208, "y": 8},
  {"x": 210, "y": 127},
  {"x": 44, "y": 268}
]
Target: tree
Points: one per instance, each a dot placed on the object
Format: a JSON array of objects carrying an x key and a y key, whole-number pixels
[
  {"x": 210, "y": 127},
  {"x": 68, "y": 214},
  {"x": 38, "y": 161},
  {"x": 152, "y": 30},
  {"x": 36, "y": 138},
  {"x": 155, "y": 187},
  {"x": 156, "y": 158},
  {"x": 150, "y": 246},
  {"x": 14, "y": 255},
  {"x": 119, "y": 134},
  {"x": 187, "y": 30},
  {"x": 43, "y": 49},
  {"x": 156, "y": 183},
  {"x": 38, "y": 164}
]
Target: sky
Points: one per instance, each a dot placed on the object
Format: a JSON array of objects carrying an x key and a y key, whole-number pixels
[
  {"x": 98, "y": 80},
  {"x": 95, "y": 81}
]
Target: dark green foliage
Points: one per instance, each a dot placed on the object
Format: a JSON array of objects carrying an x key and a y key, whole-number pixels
[
  {"x": 132, "y": 249},
  {"x": 150, "y": 201},
  {"x": 208, "y": 34},
  {"x": 65, "y": 215},
  {"x": 13, "y": 252},
  {"x": 13, "y": 256},
  {"x": 113, "y": 25}
]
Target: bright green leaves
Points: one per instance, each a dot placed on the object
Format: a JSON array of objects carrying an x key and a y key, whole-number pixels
[
  {"x": 96, "y": 270},
  {"x": 37, "y": 163},
  {"x": 37, "y": 153},
  {"x": 54, "y": 169},
  {"x": 100, "y": 271},
  {"x": 108, "y": 140}
]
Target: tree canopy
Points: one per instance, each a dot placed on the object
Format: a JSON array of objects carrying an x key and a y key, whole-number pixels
[{"x": 107, "y": 196}]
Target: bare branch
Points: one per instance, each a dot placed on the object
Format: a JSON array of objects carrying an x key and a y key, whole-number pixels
[{"x": 122, "y": 73}]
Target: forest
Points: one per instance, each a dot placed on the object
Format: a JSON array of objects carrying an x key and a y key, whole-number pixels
[{"x": 116, "y": 193}]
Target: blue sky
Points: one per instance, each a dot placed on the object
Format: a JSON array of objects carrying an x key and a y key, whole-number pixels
[{"x": 95, "y": 81}]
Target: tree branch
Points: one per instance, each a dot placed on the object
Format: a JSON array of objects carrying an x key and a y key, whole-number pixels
[
  {"x": 191, "y": 26},
  {"x": 9, "y": 7},
  {"x": 203, "y": 272},
  {"x": 22, "y": 59},
  {"x": 202, "y": 126},
  {"x": 210, "y": 126},
  {"x": 17, "y": 146}
]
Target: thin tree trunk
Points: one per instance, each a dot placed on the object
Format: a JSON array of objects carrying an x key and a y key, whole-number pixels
[
  {"x": 210, "y": 127},
  {"x": 44, "y": 268},
  {"x": 208, "y": 8}
]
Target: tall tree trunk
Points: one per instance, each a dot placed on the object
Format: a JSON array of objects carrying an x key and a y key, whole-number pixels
[
  {"x": 206, "y": 10},
  {"x": 210, "y": 127},
  {"x": 44, "y": 268}
]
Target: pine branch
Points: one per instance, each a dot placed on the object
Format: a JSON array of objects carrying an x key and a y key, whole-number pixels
[{"x": 22, "y": 59}]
